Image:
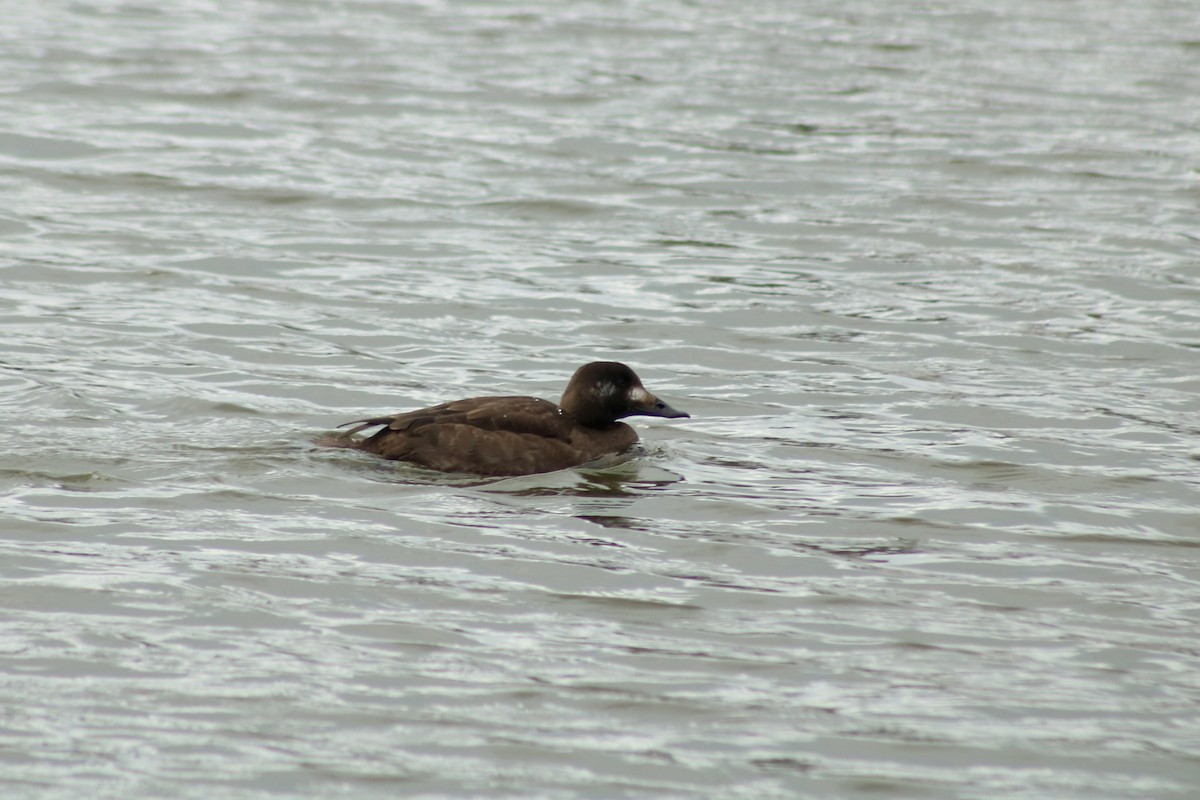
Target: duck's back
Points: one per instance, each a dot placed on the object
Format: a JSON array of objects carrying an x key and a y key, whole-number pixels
[{"x": 492, "y": 436}]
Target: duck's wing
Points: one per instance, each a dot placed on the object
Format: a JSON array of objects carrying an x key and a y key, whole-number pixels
[
  {"x": 481, "y": 435},
  {"x": 519, "y": 415}
]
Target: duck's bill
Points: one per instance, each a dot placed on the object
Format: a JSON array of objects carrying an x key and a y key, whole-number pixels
[{"x": 657, "y": 408}]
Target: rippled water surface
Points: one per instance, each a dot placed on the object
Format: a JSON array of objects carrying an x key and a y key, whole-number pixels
[{"x": 927, "y": 276}]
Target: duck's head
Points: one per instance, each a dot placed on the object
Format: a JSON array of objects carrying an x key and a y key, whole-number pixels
[{"x": 602, "y": 392}]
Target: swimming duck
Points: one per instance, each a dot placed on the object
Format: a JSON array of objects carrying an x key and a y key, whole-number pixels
[{"x": 496, "y": 436}]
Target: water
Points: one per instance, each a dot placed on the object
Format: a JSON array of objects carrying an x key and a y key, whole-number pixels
[{"x": 925, "y": 276}]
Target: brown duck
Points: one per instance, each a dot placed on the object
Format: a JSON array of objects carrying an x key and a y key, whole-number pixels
[{"x": 496, "y": 436}]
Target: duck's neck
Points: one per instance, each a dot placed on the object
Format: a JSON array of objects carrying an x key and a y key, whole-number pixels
[{"x": 588, "y": 414}]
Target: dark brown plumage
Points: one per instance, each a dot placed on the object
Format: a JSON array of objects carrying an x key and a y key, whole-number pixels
[{"x": 496, "y": 436}]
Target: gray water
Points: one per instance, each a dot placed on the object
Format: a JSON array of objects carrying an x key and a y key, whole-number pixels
[{"x": 927, "y": 276}]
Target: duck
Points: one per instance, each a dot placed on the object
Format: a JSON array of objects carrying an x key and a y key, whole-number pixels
[{"x": 507, "y": 435}]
